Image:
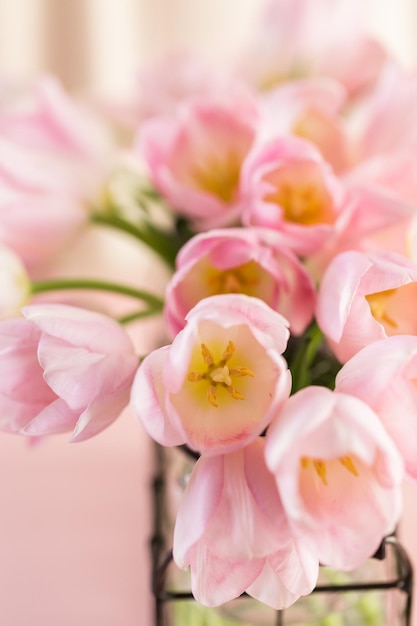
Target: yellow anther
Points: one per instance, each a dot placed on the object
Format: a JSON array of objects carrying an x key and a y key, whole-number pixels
[
  {"x": 217, "y": 373},
  {"x": 347, "y": 462},
  {"x": 241, "y": 371},
  {"x": 194, "y": 377},
  {"x": 227, "y": 354},
  {"x": 321, "y": 469},
  {"x": 236, "y": 395},
  {"x": 212, "y": 396},
  {"x": 207, "y": 355}
]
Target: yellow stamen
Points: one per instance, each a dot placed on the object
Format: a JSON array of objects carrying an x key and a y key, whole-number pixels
[
  {"x": 194, "y": 377},
  {"x": 218, "y": 373},
  {"x": 235, "y": 393},
  {"x": 321, "y": 469},
  {"x": 347, "y": 462},
  {"x": 212, "y": 396},
  {"x": 241, "y": 371},
  {"x": 207, "y": 355},
  {"x": 228, "y": 353}
]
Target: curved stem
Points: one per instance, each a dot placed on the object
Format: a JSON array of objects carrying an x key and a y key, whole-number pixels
[
  {"x": 138, "y": 315},
  {"x": 58, "y": 284},
  {"x": 163, "y": 243}
]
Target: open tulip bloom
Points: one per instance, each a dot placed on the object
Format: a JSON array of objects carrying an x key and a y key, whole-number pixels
[
  {"x": 277, "y": 201},
  {"x": 220, "y": 383}
]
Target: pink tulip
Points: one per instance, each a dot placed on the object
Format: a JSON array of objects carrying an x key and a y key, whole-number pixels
[
  {"x": 338, "y": 474},
  {"x": 46, "y": 119},
  {"x": 240, "y": 260},
  {"x": 310, "y": 109},
  {"x": 386, "y": 115},
  {"x": 366, "y": 297},
  {"x": 195, "y": 158},
  {"x": 297, "y": 38},
  {"x": 290, "y": 188},
  {"x": 51, "y": 166},
  {"x": 63, "y": 369},
  {"x": 384, "y": 376},
  {"x": 220, "y": 383},
  {"x": 257, "y": 553}
]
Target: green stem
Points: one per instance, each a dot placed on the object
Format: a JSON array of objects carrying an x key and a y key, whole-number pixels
[
  {"x": 153, "y": 302},
  {"x": 163, "y": 243},
  {"x": 138, "y": 315},
  {"x": 304, "y": 357}
]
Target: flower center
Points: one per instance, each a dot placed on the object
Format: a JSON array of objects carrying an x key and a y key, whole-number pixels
[
  {"x": 320, "y": 466},
  {"x": 301, "y": 194},
  {"x": 302, "y": 204},
  {"x": 218, "y": 178},
  {"x": 241, "y": 279},
  {"x": 218, "y": 373},
  {"x": 378, "y": 303}
]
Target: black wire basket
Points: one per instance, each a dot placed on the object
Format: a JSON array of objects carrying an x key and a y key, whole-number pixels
[{"x": 379, "y": 593}]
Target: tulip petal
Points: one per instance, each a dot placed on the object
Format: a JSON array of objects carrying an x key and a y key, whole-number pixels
[{"x": 148, "y": 400}]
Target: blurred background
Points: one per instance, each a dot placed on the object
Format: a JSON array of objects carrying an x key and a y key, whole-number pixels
[{"x": 75, "y": 520}]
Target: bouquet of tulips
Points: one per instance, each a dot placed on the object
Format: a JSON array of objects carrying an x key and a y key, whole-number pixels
[{"x": 274, "y": 205}]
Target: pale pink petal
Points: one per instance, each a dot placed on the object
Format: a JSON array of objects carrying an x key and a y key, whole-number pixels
[
  {"x": 148, "y": 401},
  {"x": 55, "y": 418},
  {"x": 198, "y": 505},
  {"x": 217, "y": 580},
  {"x": 88, "y": 329},
  {"x": 102, "y": 412},
  {"x": 284, "y": 578},
  {"x": 383, "y": 374},
  {"x": 337, "y": 291}
]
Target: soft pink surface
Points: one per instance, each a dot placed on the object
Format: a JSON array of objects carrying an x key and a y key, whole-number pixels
[{"x": 74, "y": 528}]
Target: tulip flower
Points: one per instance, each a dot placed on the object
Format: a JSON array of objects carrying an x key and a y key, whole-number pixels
[
  {"x": 63, "y": 369},
  {"x": 240, "y": 260},
  {"x": 366, "y": 297},
  {"x": 221, "y": 381},
  {"x": 195, "y": 158},
  {"x": 51, "y": 167},
  {"x": 257, "y": 554},
  {"x": 338, "y": 474},
  {"x": 290, "y": 188},
  {"x": 310, "y": 109},
  {"x": 383, "y": 375}
]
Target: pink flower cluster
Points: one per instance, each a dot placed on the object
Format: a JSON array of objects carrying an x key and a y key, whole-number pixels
[{"x": 286, "y": 193}]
